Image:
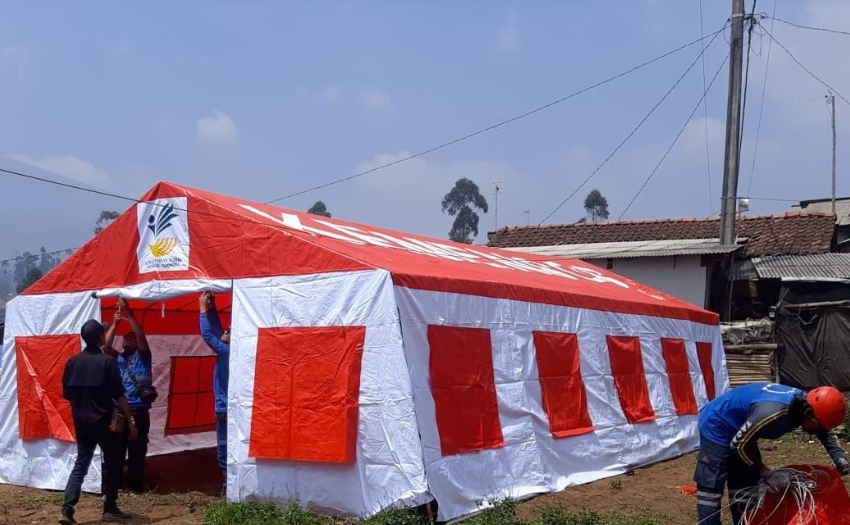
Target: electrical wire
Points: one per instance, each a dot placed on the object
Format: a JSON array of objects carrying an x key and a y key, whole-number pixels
[
  {"x": 761, "y": 108},
  {"x": 2, "y": 261},
  {"x": 746, "y": 83},
  {"x": 813, "y": 28},
  {"x": 501, "y": 123},
  {"x": 807, "y": 70},
  {"x": 705, "y": 109},
  {"x": 631, "y": 133},
  {"x": 675, "y": 140}
]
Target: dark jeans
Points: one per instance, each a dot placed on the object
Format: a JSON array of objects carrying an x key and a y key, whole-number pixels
[
  {"x": 718, "y": 466},
  {"x": 221, "y": 438},
  {"x": 110, "y": 446},
  {"x": 136, "y": 451}
]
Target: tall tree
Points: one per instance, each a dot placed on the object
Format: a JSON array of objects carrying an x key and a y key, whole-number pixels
[
  {"x": 106, "y": 217},
  {"x": 33, "y": 274},
  {"x": 460, "y": 203},
  {"x": 46, "y": 261},
  {"x": 319, "y": 208},
  {"x": 596, "y": 206}
]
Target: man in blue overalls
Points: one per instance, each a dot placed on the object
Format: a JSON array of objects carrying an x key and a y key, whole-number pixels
[
  {"x": 219, "y": 341},
  {"x": 731, "y": 425},
  {"x": 134, "y": 363}
]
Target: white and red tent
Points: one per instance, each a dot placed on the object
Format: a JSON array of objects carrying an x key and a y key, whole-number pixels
[{"x": 369, "y": 368}]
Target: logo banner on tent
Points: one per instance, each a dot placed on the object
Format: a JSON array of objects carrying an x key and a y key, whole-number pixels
[{"x": 163, "y": 235}]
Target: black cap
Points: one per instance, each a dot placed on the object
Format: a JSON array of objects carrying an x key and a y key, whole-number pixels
[{"x": 92, "y": 330}]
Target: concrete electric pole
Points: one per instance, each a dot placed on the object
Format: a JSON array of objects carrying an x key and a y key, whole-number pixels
[
  {"x": 830, "y": 101},
  {"x": 731, "y": 161}
]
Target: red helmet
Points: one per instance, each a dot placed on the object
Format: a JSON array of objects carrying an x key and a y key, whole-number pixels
[{"x": 828, "y": 405}]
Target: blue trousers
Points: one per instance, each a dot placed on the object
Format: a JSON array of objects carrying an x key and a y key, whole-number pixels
[
  {"x": 717, "y": 467},
  {"x": 110, "y": 446},
  {"x": 221, "y": 438}
]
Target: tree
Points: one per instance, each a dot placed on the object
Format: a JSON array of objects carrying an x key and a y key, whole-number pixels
[
  {"x": 106, "y": 217},
  {"x": 596, "y": 206},
  {"x": 319, "y": 208},
  {"x": 46, "y": 261},
  {"x": 33, "y": 274},
  {"x": 459, "y": 203}
]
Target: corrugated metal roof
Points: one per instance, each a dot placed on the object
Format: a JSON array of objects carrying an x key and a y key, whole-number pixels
[
  {"x": 842, "y": 209},
  {"x": 820, "y": 267},
  {"x": 632, "y": 249}
]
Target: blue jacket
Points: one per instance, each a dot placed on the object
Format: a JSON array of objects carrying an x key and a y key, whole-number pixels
[
  {"x": 742, "y": 416},
  {"x": 211, "y": 332},
  {"x": 136, "y": 371}
]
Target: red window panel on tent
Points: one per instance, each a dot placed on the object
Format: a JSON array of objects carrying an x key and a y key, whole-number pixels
[
  {"x": 42, "y": 411},
  {"x": 464, "y": 389},
  {"x": 306, "y": 389},
  {"x": 676, "y": 359},
  {"x": 630, "y": 378},
  {"x": 704, "y": 351},
  {"x": 191, "y": 402},
  {"x": 564, "y": 395}
]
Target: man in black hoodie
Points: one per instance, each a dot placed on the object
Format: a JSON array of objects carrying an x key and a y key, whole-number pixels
[{"x": 92, "y": 384}]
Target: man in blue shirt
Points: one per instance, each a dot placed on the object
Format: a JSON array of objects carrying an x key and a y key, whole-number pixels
[
  {"x": 731, "y": 425},
  {"x": 134, "y": 363},
  {"x": 219, "y": 342}
]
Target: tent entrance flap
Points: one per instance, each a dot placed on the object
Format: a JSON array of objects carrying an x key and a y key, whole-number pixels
[{"x": 182, "y": 367}]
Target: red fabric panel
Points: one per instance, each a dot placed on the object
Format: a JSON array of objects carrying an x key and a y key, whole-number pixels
[
  {"x": 676, "y": 359},
  {"x": 306, "y": 389},
  {"x": 191, "y": 402},
  {"x": 630, "y": 378},
  {"x": 464, "y": 389},
  {"x": 704, "y": 351},
  {"x": 42, "y": 411},
  {"x": 564, "y": 395},
  {"x": 181, "y": 314}
]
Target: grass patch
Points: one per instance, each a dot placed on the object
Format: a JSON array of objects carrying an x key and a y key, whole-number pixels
[{"x": 503, "y": 513}]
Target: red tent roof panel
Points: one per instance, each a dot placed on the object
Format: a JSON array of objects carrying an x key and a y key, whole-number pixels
[{"x": 233, "y": 238}]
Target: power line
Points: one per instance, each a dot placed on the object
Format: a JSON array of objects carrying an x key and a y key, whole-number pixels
[
  {"x": 807, "y": 70},
  {"x": 675, "y": 140},
  {"x": 498, "y": 124},
  {"x": 813, "y": 28},
  {"x": 761, "y": 108},
  {"x": 705, "y": 108},
  {"x": 632, "y": 132},
  {"x": 752, "y": 23},
  {"x": 37, "y": 255}
]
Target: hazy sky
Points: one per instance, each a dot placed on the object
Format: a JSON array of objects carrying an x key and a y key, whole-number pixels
[{"x": 262, "y": 99}]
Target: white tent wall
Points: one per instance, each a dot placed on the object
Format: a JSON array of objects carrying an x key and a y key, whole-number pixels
[
  {"x": 388, "y": 469},
  {"x": 40, "y": 463},
  {"x": 531, "y": 460}
]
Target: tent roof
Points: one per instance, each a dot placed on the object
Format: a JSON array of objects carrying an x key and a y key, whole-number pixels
[{"x": 234, "y": 238}]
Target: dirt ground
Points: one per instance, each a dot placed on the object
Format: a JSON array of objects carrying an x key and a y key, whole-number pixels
[{"x": 184, "y": 484}]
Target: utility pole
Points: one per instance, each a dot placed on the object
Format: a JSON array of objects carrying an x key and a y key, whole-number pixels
[
  {"x": 527, "y": 214},
  {"x": 830, "y": 101},
  {"x": 731, "y": 160},
  {"x": 496, "y": 190}
]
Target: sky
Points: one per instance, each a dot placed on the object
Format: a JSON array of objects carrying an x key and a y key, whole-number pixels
[{"x": 263, "y": 99}]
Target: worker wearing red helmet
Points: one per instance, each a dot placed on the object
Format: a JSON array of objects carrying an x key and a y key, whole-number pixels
[{"x": 731, "y": 425}]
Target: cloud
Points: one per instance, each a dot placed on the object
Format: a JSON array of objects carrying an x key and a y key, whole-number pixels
[
  {"x": 218, "y": 128},
  {"x": 371, "y": 98},
  {"x": 67, "y": 166},
  {"x": 509, "y": 37}
]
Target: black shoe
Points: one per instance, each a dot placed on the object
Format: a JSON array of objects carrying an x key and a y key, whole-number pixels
[
  {"x": 67, "y": 520},
  {"x": 116, "y": 515}
]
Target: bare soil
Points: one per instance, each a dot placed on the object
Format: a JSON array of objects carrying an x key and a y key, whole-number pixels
[{"x": 183, "y": 485}]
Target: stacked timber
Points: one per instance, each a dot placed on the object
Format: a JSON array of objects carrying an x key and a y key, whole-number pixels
[{"x": 750, "y": 363}]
